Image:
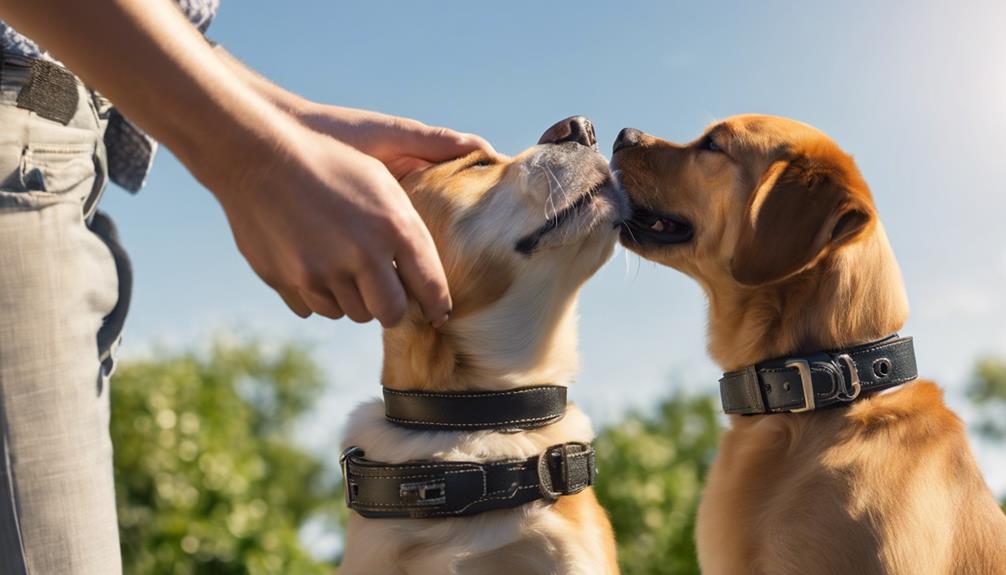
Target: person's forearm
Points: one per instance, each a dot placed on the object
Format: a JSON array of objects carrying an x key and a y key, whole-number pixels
[
  {"x": 148, "y": 59},
  {"x": 276, "y": 95}
]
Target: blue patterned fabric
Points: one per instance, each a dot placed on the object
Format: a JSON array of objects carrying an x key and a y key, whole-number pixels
[{"x": 130, "y": 150}]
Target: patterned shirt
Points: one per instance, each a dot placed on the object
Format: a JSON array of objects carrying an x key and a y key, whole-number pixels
[{"x": 130, "y": 150}]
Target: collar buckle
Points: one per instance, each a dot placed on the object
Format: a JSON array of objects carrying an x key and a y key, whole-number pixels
[
  {"x": 576, "y": 466},
  {"x": 423, "y": 493},
  {"x": 803, "y": 368}
]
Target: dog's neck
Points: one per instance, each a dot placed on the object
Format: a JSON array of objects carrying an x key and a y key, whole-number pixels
[
  {"x": 514, "y": 343},
  {"x": 855, "y": 296}
]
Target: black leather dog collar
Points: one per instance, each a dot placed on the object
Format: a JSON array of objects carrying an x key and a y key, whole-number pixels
[
  {"x": 824, "y": 379},
  {"x": 458, "y": 488},
  {"x": 522, "y": 408}
]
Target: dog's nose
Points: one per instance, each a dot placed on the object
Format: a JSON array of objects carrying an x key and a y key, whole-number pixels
[
  {"x": 627, "y": 138},
  {"x": 573, "y": 129}
]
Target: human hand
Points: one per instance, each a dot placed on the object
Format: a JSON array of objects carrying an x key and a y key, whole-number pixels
[
  {"x": 330, "y": 229},
  {"x": 401, "y": 144}
]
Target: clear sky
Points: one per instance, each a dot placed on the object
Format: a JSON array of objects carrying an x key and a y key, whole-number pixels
[{"x": 916, "y": 91}]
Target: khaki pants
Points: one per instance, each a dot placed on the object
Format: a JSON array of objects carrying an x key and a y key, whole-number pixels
[{"x": 59, "y": 285}]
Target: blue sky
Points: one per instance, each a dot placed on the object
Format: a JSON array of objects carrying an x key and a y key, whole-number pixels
[{"x": 916, "y": 91}]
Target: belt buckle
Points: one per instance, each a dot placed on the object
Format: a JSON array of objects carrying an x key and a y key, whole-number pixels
[{"x": 803, "y": 368}]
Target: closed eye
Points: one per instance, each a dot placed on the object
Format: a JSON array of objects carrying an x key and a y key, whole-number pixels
[
  {"x": 481, "y": 163},
  {"x": 708, "y": 144}
]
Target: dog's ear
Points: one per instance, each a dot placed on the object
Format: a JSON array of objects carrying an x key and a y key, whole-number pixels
[{"x": 799, "y": 211}]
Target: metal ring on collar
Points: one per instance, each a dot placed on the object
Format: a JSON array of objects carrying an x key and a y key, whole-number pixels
[{"x": 851, "y": 387}]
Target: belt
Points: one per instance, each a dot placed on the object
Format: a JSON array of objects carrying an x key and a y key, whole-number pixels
[
  {"x": 45, "y": 88},
  {"x": 824, "y": 379}
]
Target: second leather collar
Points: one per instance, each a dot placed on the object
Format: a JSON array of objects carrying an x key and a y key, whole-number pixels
[
  {"x": 825, "y": 379},
  {"x": 521, "y": 408}
]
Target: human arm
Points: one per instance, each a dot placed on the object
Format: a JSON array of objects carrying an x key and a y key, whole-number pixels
[{"x": 317, "y": 219}]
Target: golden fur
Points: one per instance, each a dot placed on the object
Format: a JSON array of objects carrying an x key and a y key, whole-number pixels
[
  {"x": 789, "y": 250},
  {"x": 514, "y": 324}
]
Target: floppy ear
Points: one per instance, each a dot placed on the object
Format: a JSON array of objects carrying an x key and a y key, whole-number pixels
[{"x": 799, "y": 211}]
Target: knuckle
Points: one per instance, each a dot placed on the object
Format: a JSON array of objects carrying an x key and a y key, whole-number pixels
[{"x": 394, "y": 312}]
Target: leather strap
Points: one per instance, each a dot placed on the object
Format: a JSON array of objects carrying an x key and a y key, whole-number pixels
[
  {"x": 458, "y": 488},
  {"x": 820, "y": 380},
  {"x": 522, "y": 408}
]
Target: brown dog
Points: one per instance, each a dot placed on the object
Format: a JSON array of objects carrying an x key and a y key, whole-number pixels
[
  {"x": 518, "y": 237},
  {"x": 777, "y": 225}
]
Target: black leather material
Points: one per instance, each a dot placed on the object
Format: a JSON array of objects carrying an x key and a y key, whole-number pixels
[
  {"x": 522, "y": 408},
  {"x": 457, "y": 488},
  {"x": 776, "y": 386}
]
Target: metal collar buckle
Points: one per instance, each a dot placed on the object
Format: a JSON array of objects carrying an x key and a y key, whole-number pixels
[
  {"x": 563, "y": 451},
  {"x": 806, "y": 380},
  {"x": 423, "y": 493}
]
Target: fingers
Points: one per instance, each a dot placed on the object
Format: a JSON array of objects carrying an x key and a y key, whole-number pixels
[
  {"x": 438, "y": 144},
  {"x": 350, "y": 301},
  {"x": 294, "y": 302},
  {"x": 405, "y": 165},
  {"x": 322, "y": 303},
  {"x": 383, "y": 294},
  {"x": 422, "y": 274}
]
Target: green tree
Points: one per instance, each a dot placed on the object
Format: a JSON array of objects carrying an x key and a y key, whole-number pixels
[
  {"x": 988, "y": 392},
  {"x": 652, "y": 469},
  {"x": 208, "y": 479}
]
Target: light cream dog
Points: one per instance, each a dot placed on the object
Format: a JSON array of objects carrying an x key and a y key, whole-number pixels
[
  {"x": 777, "y": 225},
  {"x": 518, "y": 237}
]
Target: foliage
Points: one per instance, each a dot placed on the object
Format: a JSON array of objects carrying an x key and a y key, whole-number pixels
[
  {"x": 208, "y": 480},
  {"x": 988, "y": 392},
  {"x": 651, "y": 473}
]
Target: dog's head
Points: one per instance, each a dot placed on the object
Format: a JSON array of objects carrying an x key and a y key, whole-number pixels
[
  {"x": 544, "y": 220},
  {"x": 517, "y": 237},
  {"x": 753, "y": 201}
]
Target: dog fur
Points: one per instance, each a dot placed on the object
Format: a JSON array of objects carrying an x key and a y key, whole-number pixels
[
  {"x": 787, "y": 245},
  {"x": 514, "y": 324}
]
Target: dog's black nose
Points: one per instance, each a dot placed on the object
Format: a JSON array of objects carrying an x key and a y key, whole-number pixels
[
  {"x": 573, "y": 129},
  {"x": 627, "y": 138}
]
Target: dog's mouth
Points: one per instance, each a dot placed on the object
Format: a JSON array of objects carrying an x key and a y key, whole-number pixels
[
  {"x": 647, "y": 227},
  {"x": 564, "y": 216}
]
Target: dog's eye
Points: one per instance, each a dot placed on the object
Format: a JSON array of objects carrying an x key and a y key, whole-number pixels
[
  {"x": 482, "y": 163},
  {"x": 709, "y": 144}
]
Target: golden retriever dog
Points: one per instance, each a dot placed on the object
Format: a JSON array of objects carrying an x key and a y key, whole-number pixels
[
  {"x": 780, "y": 229},
  {"x": 517, "y": 237}
]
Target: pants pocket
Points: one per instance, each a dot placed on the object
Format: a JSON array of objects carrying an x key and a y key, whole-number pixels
[{"x": 111, "y": 329}]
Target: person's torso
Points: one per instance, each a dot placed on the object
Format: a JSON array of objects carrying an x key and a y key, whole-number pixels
[
  {"x": 199, "y": 12},
  {"x": 130, "y": 151}
]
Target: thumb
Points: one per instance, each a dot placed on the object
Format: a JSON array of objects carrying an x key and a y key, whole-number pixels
[{"x": 435, "y": 144}]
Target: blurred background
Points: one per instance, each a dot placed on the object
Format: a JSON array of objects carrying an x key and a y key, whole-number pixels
[{"x": 228, "y": 409}]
